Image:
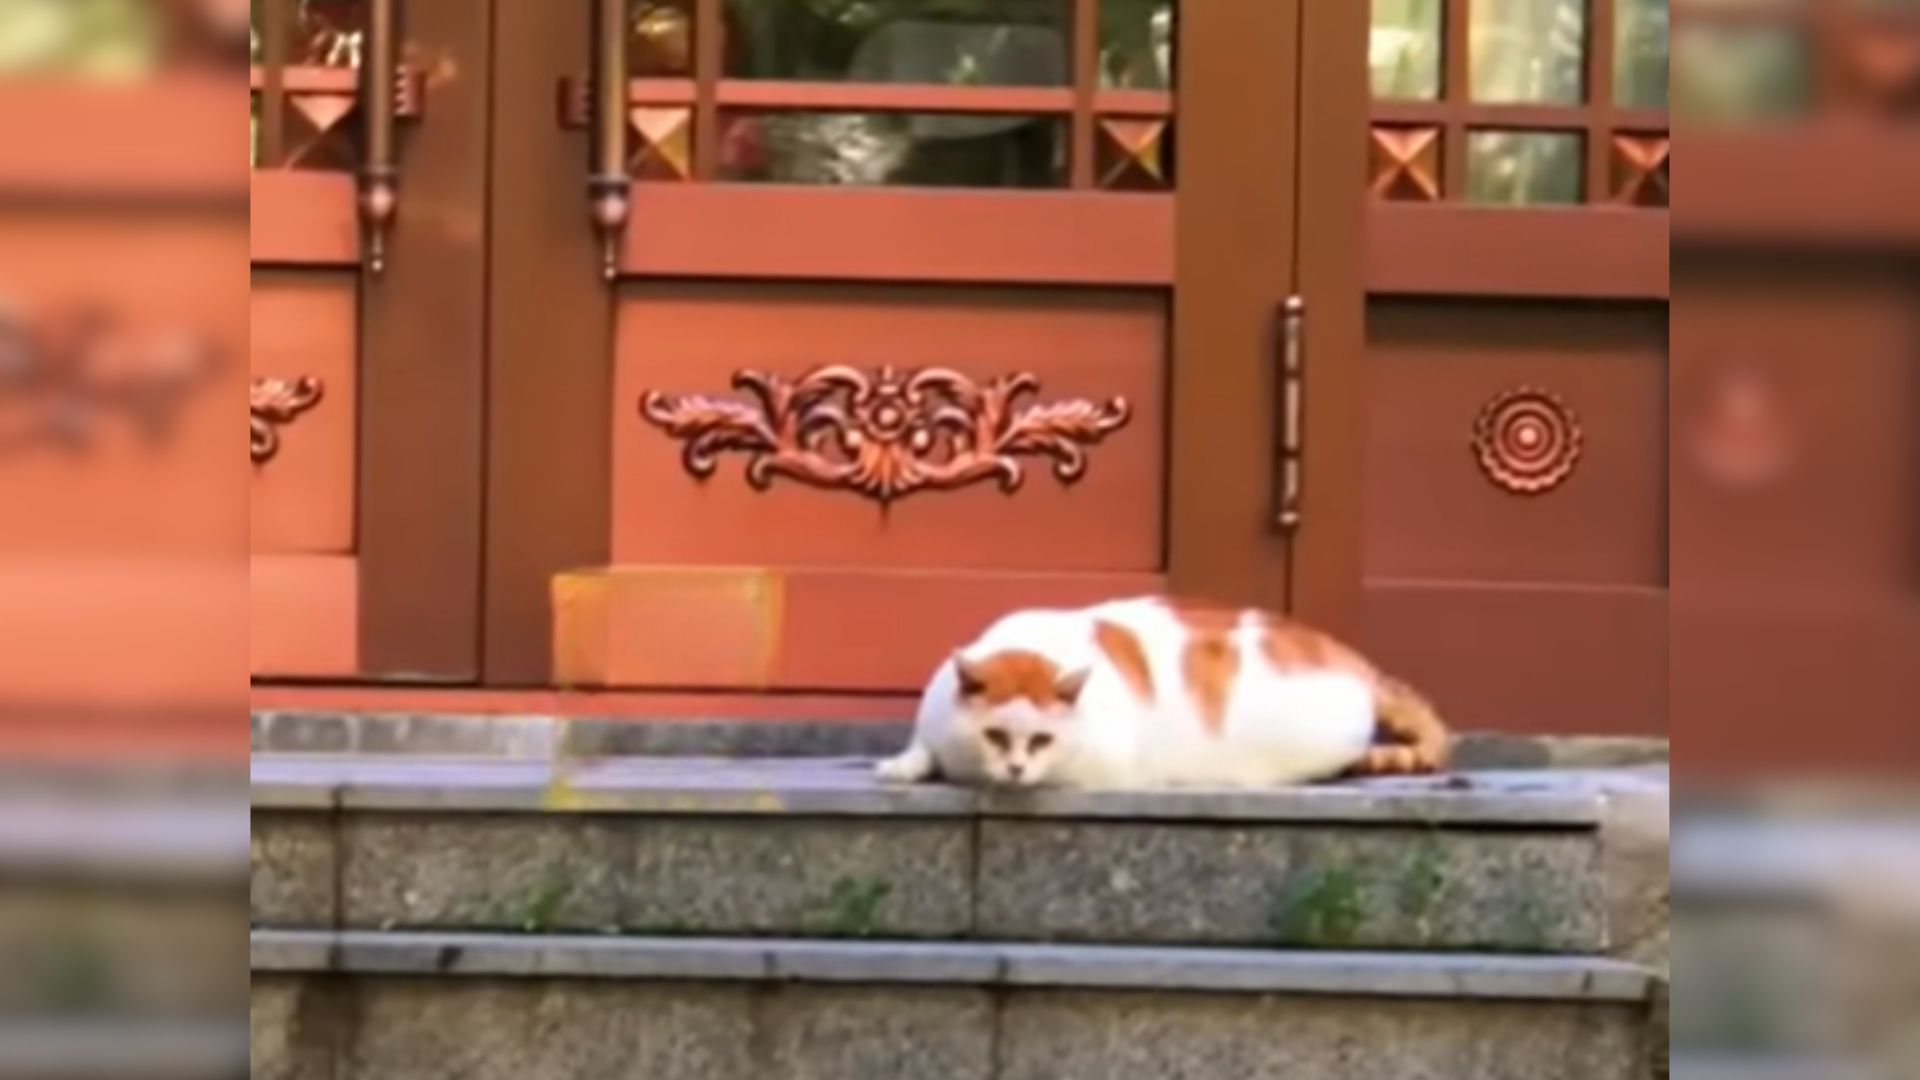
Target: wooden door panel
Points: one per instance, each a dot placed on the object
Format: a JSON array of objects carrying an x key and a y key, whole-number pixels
[
  {"x": 1433, "y": 508},
  {"x": 303, "y": 615},
  {"x": 899, "y": 234},
  {"x": 839, "y": 629},
  {"x": 303, "y": 361},
  {"x": 1103, "y": 349},
  {"x": 1516, "y": 496}
]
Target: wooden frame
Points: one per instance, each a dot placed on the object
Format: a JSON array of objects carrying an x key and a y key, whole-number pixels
[
  {"x": 412, "y": 609},
  {"x": 1413, "y": 248}
]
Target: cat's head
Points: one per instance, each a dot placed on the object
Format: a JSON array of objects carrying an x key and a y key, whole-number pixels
[{"x": 1020, "y": 708}]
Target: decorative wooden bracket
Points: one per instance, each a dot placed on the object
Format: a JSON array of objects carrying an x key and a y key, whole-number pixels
[
  {"x": 885, "y": 434},
  {"x": 274, "y": 403}
]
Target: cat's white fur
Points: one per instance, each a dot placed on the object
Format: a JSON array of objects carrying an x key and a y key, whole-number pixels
[{"x": 1277, "y": 727}]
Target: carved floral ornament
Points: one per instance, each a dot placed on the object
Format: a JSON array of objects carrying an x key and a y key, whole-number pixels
[
  {"x": 1527, "y": 441},
  {"x": 885, "y": 434},
  {"x": 65, "y": 374},
  {"x": 273, "y": 403}
]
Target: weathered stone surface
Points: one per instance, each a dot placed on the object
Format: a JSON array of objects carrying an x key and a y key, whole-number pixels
[
  {"x": 1309, "y": 972},
  {"x": 1330, "y": 887},
  {"x": 522, "y": 873},
  {"x": 547, "y": 1029},
  {"x": 410, "y": 1029},
  {"x": 816, "y": 1033},
  {"x": 422, "y": 1030},
  {"x": 1065, "y": 1035},
  {"x": 292, "y": 856},
  {"x": 280, "y": 1033},
  {"x": 813, "y": 787},
  {"x": 830, "y": 877},
  {"x": 1636, "y": 842}
]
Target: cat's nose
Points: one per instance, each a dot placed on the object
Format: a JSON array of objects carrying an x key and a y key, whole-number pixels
[{"x": 1014, "y": 769}]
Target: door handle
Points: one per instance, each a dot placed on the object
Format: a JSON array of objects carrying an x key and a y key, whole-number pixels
[
  {"x": 1288, "y": 445},
  {"x": 608, "y": 185},
  {"x": 380, "y": 85}
]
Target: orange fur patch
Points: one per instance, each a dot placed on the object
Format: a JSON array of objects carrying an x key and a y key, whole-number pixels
[
  {"x": 1014, "y": 673},
  {"x": 1127, "y": 655},
  {"x": 1210, "y": 664}
]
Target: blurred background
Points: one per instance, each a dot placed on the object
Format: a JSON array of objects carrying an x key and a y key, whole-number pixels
[{"x": 1769, "y": 555}]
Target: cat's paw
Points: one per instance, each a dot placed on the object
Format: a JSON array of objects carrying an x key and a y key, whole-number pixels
[{"x": 910, "y": 767}]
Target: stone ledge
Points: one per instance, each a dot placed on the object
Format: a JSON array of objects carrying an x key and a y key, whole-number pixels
[
  {"x": 828, "y": 787},
  {"x": 1323, "y": 974},
  {"x": 540, "y": 736}
]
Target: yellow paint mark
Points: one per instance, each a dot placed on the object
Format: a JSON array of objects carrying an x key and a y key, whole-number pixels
[
  {"x": 768, "y": 802},
  {"x": 561, "y": 796},
  {"x": 765, "y": 593}
]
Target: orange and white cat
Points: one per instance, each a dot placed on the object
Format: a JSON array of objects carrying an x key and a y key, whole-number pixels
[{"x": 1147, "y": 693}]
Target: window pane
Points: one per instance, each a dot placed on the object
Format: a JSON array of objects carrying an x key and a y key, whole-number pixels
[
  {"x": 1136, "y": 44},
  {"x": 328, "y": 33},
  {"x": 941, "y": 42},
  {"x": 1404, "y": 49},
  {"x": 659, "y": 38},
  {"x": 915, "y": 149},
  {"x": 1739, "y": 73},
  {"x": 88, "y": 38},
  {"x": 1528, "y": 51},
  {"x": 1640, "y": 54},
  {"x": 1523, "y": 168}
]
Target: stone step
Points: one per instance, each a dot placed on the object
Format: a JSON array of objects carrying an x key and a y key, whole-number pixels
[
  {"x": 1507, "y": 862},
  {"x": 368, "y": 1005}
]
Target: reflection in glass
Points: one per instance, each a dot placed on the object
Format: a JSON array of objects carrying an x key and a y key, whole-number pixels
[
  {"x": 942, "y": 42},
  {"x": 85, "y": 38},
  {"x": 328, "y": 33},
  {"x": 1136, "y": 44},
  {"x": 1524, "y": 168},
  {"x": 912, "y": 149},
  {"x": 1404, "y": 49},
  {"x": 1731, "y": 74},
  {"x": 1640, "y": 54},
  {"x": 1528, "y": 51},
  {"x": 659, "y": 38}
]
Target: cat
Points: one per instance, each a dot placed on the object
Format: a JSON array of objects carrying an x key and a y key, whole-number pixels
[{"x": 1149, "y": 693}]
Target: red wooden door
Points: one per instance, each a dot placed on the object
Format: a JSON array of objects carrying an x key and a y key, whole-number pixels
[
  {"x": 366, "y": 338},
  {"x": 1515, "y": 555},
  {"x": 826, "y": 334}
]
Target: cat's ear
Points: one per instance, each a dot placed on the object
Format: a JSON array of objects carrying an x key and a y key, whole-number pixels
[
  {"x": 973, "y": 681},
  {"x": 1068, "y": 686}
]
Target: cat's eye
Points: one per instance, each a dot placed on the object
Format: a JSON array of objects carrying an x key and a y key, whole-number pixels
[
  {"x": 999, "y": 739},
  {"x": 1038, "y": 743}
]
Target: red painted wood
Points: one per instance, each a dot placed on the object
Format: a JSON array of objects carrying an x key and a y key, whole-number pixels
[
  {"x": 900, "y": 234},
  {"x": 713, "y": 627},
  {"x": 1601, "y": 252},
  {"x": 302, "y": 498},
  {"x": 1541, "y": 659},
  {"x": 303, "y": 615},
  {"x": 599, "y": 704},
  {"x": 177, "y": 137},
  {"x": 304, "y": 218},
  {"x": 1430, "y": 510},
  {"x": 1082, "y": 345}
]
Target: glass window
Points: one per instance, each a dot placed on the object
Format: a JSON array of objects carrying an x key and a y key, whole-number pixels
[
  {"x": 914, "y": 149},
  {"x": 1524, "y": 168},
  {"x": 1640, "y": 54},
  {"x": 941, "y": 42},
  {"x": 1136, "y": 44},
  {"x": 1528, "y": 51},
  {"x": 1404, "y": 49}
]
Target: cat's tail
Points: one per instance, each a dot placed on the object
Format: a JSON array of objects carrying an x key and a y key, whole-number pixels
[{"x": 1413, "y": 738}]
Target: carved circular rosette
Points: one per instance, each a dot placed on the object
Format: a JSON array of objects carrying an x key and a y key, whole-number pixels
[{"x": 1527, "y": 441}]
